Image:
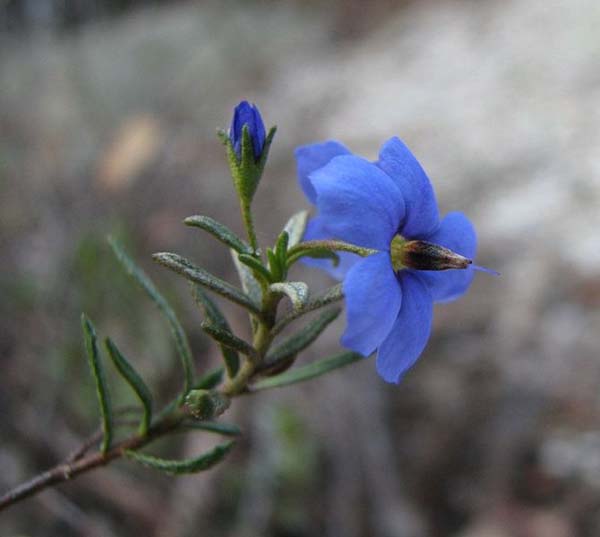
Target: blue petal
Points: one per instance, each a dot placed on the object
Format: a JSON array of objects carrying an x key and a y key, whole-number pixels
[
  {"x": 312, "y": 157},
  {"x": 358, "y": 202},
  {"x": 373, "y": 299},
  {"x": 247, "y": 114},
  {"x": 409, "y": 335},
  {"x": 422, "y": 217},
  {"x": 457, "y": 233}
]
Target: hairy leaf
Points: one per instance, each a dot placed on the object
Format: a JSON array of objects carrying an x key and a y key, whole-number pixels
[
  {"x": 134, "y": 380},
  {"x": 184, "y": 466},
  {"x": 220, "y": 231},
  {"x": 307, "y": 372}
]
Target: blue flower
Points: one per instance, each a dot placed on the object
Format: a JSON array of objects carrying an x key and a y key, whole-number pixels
[
  {"x": 383, "y": 206},
  {"x": 247, "y": 114}
]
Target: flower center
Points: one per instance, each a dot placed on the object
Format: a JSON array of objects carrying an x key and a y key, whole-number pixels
[{"x": 423, "y": 255}]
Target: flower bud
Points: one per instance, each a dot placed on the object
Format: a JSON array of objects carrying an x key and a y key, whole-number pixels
[
  {"x": 205, "y": 404},
  {"x": 423, "y": 255},
  {"x": 247, "y": 115}
]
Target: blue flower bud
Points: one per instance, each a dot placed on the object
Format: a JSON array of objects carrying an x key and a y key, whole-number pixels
[{"x": 247, "y": 114}]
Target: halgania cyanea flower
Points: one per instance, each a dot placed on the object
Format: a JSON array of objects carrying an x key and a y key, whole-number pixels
[
  {"x": 388, "y": 206},
  {"x": 247, "y": 114}
]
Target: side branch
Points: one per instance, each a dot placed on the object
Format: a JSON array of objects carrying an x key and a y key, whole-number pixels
[{"x": 71, "y": 468}]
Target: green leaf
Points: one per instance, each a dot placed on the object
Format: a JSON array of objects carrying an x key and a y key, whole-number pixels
[
  {"x": 250, "y": 285},
  {"x": 281, "y": 247},
  {"x": 257, "y": 267},
  {"x": 185, "y": 466},
  {"x": 225, "y": 337},
  {"x": 93, "y": 354},
  {"x": 134, "y": 380},
  {"x": 226, "y": 429},
  {"x": 318, "y": 248},
  {"x": 299, "y": 341},
  {"x": 181, "y": 342},
  {"x": 296, "y": 291},
  {"x": 216, "y": 317},
  {"x": 315, "y": 253},
  {"x": 202, "y": 277},
  {"x": 295, "y": 228},
  {"x": 274, "y": 265},
  {"x": 307, "y": 372},
  {"x": 220, "y": 231},
  {"x": 333, "y": 294}
]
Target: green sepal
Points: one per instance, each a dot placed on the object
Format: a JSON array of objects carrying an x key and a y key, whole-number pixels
[
  {"x": 307, "y": 372},
  {"x": 226, "y": 429},
  {"x": 181, "y": 342},
  {"x": 134, "y": 380},
  {"x": 184, "y": 466},
  {"x": 329, "y": 296},
  {"x": 295, "y": 227},
  {"x": 202, "y": 277},
  {"x": 247, "y": 170},
  {"x": 259, "y": 270},
  {"x": 206, "y": 404},
  {"x": 93, "y": 354},
  {"x": 220, "y": 231},
  {"x": 225, "y": 337},
  {"x": 216, "y": 317},
  {"x": 297, "y": 292},
  {"x": 299, "y": 341}
]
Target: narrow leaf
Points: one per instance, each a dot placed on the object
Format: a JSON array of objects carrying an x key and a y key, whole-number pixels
[
  {"x": 296, "y": 291},
  {"x": 274, "y": 265},
  {"x": 225, "y": 337},
  {"x": 227, "y": 429},
  {"x": 295, "y": 228},
  {"x": 134, "y": 380},
  {"x": 250, "y": 285},
  {"x": 258, "y": 268},
  {"x": 281, "y": 247},
  {"x": 200, "y": 276},
  {"x": 181, "y": 342},
  {"x": 184, "y": 466},
  {"x": 220, "y": 231},
  {"x": 334, "y": 245},
  {"x": 307, "y": 372},
  {"x": 296, "y": 343},
  {"x": 93, "y": 354},
  {"x": 315, "y": 253},
  {"x": 333, "y": 294},
  {"x": 216, "y": 317}
]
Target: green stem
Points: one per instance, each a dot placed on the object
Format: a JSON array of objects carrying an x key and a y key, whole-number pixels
[
  {"x": 262, "y": 339},
  {"x": 249, "y": 224}
]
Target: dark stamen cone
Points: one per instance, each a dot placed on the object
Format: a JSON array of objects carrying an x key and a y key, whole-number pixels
[{"x": 422, "y": 255}]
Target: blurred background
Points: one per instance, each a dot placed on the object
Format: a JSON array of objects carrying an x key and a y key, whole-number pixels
[{"x": 108, "y": 110}]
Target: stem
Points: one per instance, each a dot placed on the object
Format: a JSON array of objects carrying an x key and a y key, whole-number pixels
[
  {"x": 249, "y": 224},
  {"x": 74, "y": 466},
  {"x": 263, "y": 337}
]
